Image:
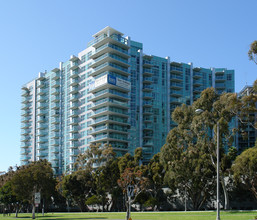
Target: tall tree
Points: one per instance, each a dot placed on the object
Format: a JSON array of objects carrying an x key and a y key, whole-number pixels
[
  {"x": 32, "y": 178},
  {"x": 245, "y": 169},
  {"x": 188, "y": 167},
  {"x": 200, "y": 131},
  {"x": 155, "y": 174},
  {"x": 78, "y": 187}
]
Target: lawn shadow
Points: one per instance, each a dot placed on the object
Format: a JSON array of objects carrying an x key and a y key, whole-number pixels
[{"x": 57, "y": 217}]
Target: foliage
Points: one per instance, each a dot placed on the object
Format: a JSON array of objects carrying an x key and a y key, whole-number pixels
[
  {"x": 78, "y": 187},
  {"x": 32, "y": 178},
  {"x": 195, "y": 138},
  {"x": 245, "y": 169},
  {"x": 252, "y": 53}
]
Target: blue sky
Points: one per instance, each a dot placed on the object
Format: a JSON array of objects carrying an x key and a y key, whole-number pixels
[{"x": 36, "y": 35}]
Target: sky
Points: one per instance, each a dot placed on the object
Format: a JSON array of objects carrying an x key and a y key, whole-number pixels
[{"x": 36, "y": 35}]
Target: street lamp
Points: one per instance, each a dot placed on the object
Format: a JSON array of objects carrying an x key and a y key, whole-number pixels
[{"x": 199, "y": 111}]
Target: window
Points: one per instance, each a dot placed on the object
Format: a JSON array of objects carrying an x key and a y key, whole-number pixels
[
  {"x": 83, "y": 125},
  {"x": 83, "y": 59},
  {"x": 229, "y": 77}
]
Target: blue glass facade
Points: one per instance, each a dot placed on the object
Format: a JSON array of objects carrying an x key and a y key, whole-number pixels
[{"x": 111, "y": 93}]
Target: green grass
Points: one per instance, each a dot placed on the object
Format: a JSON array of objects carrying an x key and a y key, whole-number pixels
[{"x": 247, "y": 215}]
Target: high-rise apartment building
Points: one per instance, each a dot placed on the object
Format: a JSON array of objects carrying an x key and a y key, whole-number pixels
[{"x": 111, "y": 93}]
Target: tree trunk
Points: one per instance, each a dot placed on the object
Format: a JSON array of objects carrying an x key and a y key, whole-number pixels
[
  {"x": 17, "y": 211},
  {"x": 33, "y": 211},
  {"x": 226, "y": 198},
  {"x": 43, "y": 208}
]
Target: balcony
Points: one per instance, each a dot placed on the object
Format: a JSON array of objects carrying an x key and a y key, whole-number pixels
[
  {"x": 74, "y": 73},
  {"x": 74, "y": 81},
  {"x": 41, "y": 112},
  {"x": 74, "y": 144},
  {"x": 25, "y": 119},
  {"x": 73, "y": 137},
  {"x": 197, "y": 82},
  {"x": 176, "y": 93},
  {"x": 55, "y": 121},
  {"x": 54, "y": 135},
  {"x": 176, "y": 69},
  {"x": 40, "y": 84},
  {"x": 25, "y": 106},
  {"x": 25, "y": 112},
  {"x": 220, "y": 78},
  {"x": 74, "y": 113},
  {"x": 55, "y": 84},
  {"x": 147, "y": 88},
  {"x": 74, "y": 97},
  {"x": 56, "y": 75},
  {"x": 55, "y": 113},
  {"x": 147, "y": 72},
  {"x": 99, "y": 137},
  {"x": 147, "y": 119},
  {"x": 74, "y": 128},
  {"x": 98, "y": 129},
  {"x": 42, "y": 147},
  {"x": 55, "y": 127},
  {"x": 220, "y": 85},
  {"x": 73, "y": 121},
  {"x": 74, "y": 65},
  {"x": 176, "y": 85},
  {"x": 25, "y": 91},
  {"x": 41, "y": 140},
  {"x": 55, "y": 150},
  {"x": 25, "y": 151},
  {"x": 147, "y": 79},
  {"x": 111, "y": 67},
  {"x": 147, "y": 111},
  {"x": 25, "y": 125},
  {"x": 109, "y": 102},
  {"x": 147, "y": 63},
  {"x": 176, "y": 100},
  {"x": 107, "y": 48},
  {"x": 148, "y": 143},
  {"x": 74, "y": 90},
  {"x": 25, "y": 132},
  {"x": 54, "y": 158},
  {"x": 114, "y": 38},
  {"x": 25, "y": 158},
  {"x": 55, "y": 142},
  {"x": 147, "y": 103},
  {"x": 41, "y": 119},
  {"x": 74, "y": 105},
  {"x": 41, "y": 133},
  {"x": 147, "y": 95},
  {"x": 25, "y": 99},
  {"x": 176, "y": 78},
  {"x": 41, "y": 98},
  {"x": 197, "y": 90},
  {"x": 41, "y": 105},
  {"x": 41, "y": 126},
  {"x": 197, "y": 75},
  {"x": 55, "y": 98},
  {"x": 73, "y": 58},
  {"x": 55, "y": 91},
  {"x": 148, "y": 135},
  {"x": 41, "y": 91},
  {"x": 55, "y": 105},
  {"x": 25, "y": 145}
]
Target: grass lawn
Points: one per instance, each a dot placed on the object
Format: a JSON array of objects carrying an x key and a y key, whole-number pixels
[{"x": 247, "y": 215}]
